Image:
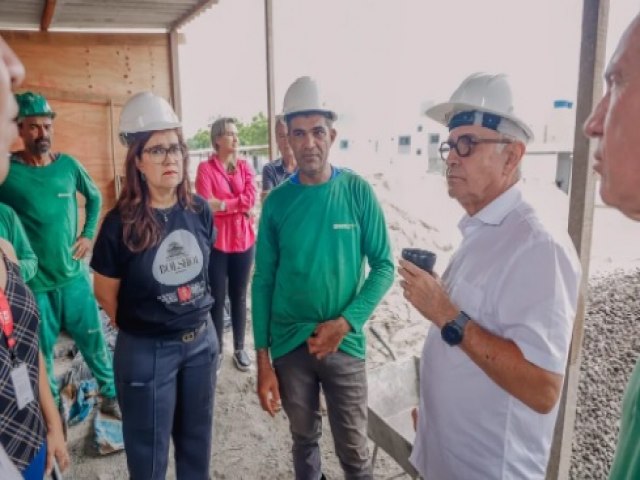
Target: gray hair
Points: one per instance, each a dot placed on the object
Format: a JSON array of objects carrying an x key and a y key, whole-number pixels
[
  {"x": 501, "y": 146},
  {"x": 219, "y": 127}
]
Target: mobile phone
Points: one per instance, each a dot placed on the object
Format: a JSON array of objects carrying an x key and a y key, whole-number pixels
[
  {"x": 56, "y": 474},
  {"x": 424, "y": 259}
]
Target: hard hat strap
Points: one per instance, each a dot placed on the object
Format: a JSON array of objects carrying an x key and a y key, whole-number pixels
[
  {"x": 486, "y": 120},
  {"x": 490, "y": 121}
]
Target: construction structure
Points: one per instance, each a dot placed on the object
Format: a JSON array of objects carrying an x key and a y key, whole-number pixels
[
  {"x": 98, "y": 56},
  {"x": 87, "y": 76}
]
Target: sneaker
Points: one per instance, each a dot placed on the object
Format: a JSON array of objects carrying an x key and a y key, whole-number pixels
[
  {"x": 242, "y": 360},
  {"x": 109, "y": 406}
]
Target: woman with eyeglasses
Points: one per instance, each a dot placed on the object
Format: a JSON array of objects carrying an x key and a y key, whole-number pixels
[
  {"x": 151, "y": 277},
  {"x": 227, "y": 182}
]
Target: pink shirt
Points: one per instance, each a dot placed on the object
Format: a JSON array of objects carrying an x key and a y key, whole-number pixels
[{"x": 235, "y": 225}]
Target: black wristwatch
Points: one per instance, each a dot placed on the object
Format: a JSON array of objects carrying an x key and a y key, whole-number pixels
[{"x": 453, "y": 332}]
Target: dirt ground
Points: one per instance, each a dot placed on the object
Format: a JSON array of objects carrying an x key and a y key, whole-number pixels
[{"x": 248, "y": 444}]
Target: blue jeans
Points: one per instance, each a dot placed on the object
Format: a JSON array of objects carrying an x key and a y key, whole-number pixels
[
  {"x": 166, "y": 390},
  {"x": 344, "y": 383},
  {"x": 35, "y": 470}
]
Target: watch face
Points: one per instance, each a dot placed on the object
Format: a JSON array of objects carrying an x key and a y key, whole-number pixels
[{"x": 451, "y": 334}]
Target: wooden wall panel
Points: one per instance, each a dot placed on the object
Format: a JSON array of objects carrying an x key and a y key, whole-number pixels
[{"x": 87, "y": 78}]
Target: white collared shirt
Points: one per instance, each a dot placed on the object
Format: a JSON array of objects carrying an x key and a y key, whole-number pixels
[{"x": 520, "y": 282}]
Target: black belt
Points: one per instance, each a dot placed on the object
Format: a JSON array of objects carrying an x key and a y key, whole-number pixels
[{"x": 187, "y": 336}]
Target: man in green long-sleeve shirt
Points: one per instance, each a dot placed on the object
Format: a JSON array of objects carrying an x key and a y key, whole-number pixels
[
  {"x": 310, "y": 295},
  {"x": 41, "y": 187},
  {"x": 11, "y": 230}
]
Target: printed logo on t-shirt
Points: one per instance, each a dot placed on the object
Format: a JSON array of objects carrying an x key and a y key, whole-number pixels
[
  {"x": 344, "y": 226},
  {"x": 184, "y": 293},
  {"x": 178, "y": 260}
]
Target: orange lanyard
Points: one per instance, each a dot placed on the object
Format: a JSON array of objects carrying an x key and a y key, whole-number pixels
[{"x": 6, "y": 322}]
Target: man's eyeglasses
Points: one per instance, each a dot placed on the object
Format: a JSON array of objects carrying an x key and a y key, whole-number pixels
[
  {"x": 158, "y": 154},
  {"x": 465, "y": 144}
]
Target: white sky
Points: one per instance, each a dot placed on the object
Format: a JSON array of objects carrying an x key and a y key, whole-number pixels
[{"x": 380, "y": 60}]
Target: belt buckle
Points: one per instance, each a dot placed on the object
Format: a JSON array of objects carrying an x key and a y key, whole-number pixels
[{"x": 188, "y": 337}]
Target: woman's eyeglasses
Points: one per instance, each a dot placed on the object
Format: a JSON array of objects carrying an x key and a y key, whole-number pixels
[{"x": 158, "y": 153}]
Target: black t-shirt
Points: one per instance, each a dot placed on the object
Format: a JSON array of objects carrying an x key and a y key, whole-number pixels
[{"x": 164, "y": 289}]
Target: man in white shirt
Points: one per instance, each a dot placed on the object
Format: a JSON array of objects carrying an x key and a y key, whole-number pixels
[{"x": 493, "y": 362}]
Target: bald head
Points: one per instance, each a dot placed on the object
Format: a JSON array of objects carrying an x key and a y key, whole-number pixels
[
  {"x": 614, "y": 124},
  {"x": 627, "y": 53},
  {"x": 11, "y": 75},
  {"x": 631, "y": 36}
]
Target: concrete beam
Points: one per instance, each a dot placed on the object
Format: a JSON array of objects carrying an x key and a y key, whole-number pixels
[
  {"x": 174, "y": 74},
  {"x": 271, "y": 109}
]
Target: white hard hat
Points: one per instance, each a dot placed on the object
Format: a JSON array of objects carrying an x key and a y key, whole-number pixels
[
  {"x": 146, "y": 112},
  {"x": 483, "y": 93},
  {"x": 304, "y": 96}
]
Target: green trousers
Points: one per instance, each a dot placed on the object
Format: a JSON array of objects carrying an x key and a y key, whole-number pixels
[{"x": 74, "y": 308}]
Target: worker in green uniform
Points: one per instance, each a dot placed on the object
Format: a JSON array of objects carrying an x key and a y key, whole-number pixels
[
  {"x": 41, "y": 187},
  {"x": 11, "y": 230},
  {"x": 311, "y": 297}
]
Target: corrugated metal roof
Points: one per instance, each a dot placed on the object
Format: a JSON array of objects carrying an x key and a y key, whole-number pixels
[
  {"x": 24, "y": 14},
  {"x": 102, "y": 14}
]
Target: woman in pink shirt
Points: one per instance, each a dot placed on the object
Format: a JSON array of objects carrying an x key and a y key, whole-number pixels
[{"x": 226, "y": 182}]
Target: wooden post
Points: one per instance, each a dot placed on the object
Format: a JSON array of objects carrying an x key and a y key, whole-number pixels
[
  {"x": 176, "y": 95},
  {"x": 112, "y": 135},
  {"x": 592, "y": 52},
  {"x": 271, "y": 110},
  {"x": 47, "y": 15}
]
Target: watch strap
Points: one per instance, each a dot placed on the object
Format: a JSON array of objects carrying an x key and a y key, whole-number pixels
[{"x": 461, "y": 320}]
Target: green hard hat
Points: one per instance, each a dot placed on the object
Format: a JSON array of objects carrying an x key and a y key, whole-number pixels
[{"x": 33, "y": 105}]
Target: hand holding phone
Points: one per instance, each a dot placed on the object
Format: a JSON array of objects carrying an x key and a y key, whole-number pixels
[{"x": 424, "y": 259}]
